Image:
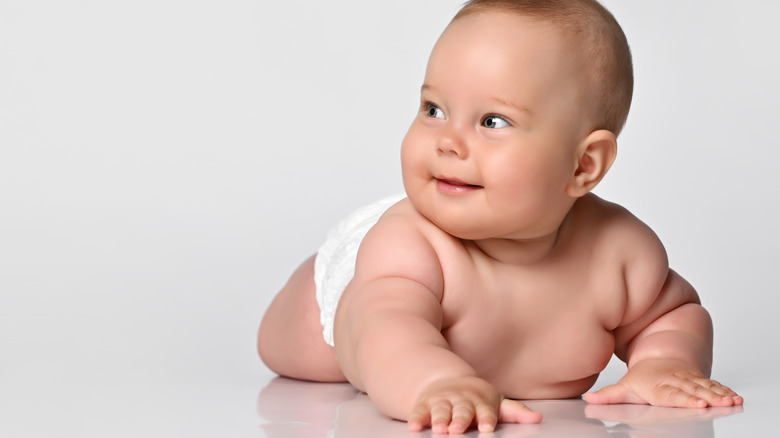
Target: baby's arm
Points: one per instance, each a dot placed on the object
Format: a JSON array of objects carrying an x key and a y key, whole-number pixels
[
  {"x": 665, "y": 337},
  {"x": 389, "y": 341}
]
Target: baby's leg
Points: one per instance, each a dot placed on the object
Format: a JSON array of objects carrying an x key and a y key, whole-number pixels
[{"x": 290, "y": 340}]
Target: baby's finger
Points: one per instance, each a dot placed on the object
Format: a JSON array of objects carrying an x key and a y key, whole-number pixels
[
  {"x": 674, "y": 396},
  {"x": 719, "y": 388},
  {"x": 419, "y": 417},
  {"x": 441, "y": 416},
  {"x": 712, "y": 385},
  {"x": 714, "y": 393},
  {"x": 462, "y": 417},
  {"x": 728, "y": 393},
  {"x": 487, "y": 417}
]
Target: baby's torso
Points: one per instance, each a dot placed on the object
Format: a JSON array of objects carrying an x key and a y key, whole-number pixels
[{"x": 535, "y": 331}]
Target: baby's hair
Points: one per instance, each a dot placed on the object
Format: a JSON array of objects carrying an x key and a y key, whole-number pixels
[{"x": 600, "y": 39}]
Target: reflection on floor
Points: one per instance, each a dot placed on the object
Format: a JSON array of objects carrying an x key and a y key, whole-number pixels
[{"x": 303, "y": 409}]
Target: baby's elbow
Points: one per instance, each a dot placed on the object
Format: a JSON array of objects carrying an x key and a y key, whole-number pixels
[
  {"x": 263, "y": 345},
  {"x": 678, "y": 286},
  {"x": 693, "y": 318},
  {"x": 686, "y": 310}
]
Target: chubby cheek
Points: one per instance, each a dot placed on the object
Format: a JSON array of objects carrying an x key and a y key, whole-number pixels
[
  {"x": 524, "y": 181},
  {"x": 413, "y": 165}
]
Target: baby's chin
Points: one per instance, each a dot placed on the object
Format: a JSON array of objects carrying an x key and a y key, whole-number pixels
[
  {"x": 458, "y": 227},
  {"x": 456, "y": 223}
]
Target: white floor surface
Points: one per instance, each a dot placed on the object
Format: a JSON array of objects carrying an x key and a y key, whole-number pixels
[{"x": 91, "y": 403}]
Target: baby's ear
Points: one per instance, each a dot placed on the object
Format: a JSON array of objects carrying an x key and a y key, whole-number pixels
[{"x": 594, "y": 158}]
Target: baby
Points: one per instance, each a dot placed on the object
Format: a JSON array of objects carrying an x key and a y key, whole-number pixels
[{"x": 500, "y": 276}]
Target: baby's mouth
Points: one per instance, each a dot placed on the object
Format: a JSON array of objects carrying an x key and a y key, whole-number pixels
[{"x": 454, "y": 185}]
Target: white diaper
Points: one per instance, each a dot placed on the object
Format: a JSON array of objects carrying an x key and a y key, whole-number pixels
[{"x": 334, "y": 265}]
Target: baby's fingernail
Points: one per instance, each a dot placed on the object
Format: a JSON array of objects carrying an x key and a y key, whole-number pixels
[{"x": 486, "y": 427}]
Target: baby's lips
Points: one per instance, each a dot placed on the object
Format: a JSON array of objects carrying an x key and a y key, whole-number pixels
[{"x": 456, "y": 182}]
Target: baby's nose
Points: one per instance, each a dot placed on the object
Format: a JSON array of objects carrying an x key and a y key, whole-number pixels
[{"x": 452, "y": 142}]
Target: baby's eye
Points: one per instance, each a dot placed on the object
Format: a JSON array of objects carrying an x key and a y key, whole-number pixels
[
  {"x": 494, "y": 122},
  {"x": 433, "y": 111}
]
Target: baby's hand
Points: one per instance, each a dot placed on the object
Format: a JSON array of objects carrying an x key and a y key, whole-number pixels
[
  {"x": 452, "y": 405},
  {"x": 665, "y": 382}
]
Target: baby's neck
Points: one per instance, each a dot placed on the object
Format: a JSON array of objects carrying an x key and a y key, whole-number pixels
[{"x": 523, "y": 251}]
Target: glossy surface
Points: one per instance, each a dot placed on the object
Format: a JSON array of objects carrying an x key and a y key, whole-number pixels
[
  {"x": 302, "y": 409},
  {"x": 100, "y": 404},
  {"x": 294, "y": 408}
]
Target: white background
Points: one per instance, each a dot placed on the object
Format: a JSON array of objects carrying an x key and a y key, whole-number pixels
[{"x": 165, "y": 165}]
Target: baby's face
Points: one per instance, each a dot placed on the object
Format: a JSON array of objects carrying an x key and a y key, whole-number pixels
[{"x": 494, "y": 144}]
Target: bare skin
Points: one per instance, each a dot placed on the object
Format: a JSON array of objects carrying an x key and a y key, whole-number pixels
[
  {"x": 290, "y": 339},
  {"x": 501, "y": 277},
  {"x": 501, "y": 345},
  {"x": 533, "y": 331}
]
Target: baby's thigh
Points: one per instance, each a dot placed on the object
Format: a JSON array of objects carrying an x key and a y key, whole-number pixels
[{"x": 290, "y": 339}]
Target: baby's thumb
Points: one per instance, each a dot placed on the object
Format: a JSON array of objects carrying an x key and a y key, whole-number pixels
[
  {"x": 608, "y": 395},
  {"x": 512, "y": 411}
]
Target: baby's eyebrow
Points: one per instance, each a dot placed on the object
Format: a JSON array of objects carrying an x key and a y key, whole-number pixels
[
  {"x": 426, "y": 87},
  {"x": 507, "y": 102}
]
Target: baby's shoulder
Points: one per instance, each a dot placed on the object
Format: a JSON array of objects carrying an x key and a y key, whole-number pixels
[
  {"x": 402, "y": 243},
  {"x": 632, "y": 245},
  {"x": 402, "y": 220},
  {"x": 622, "y": 239},
  {"x": 615, "y": 227},
  {"x": 402, "y": 224}
]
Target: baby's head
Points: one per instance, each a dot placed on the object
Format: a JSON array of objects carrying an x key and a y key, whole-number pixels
[
  {"x": 520, "y": 108},
  {"x": 597, "y": 37}
]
